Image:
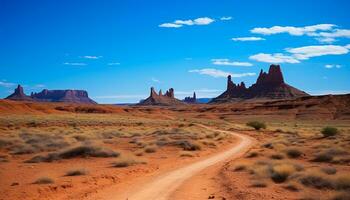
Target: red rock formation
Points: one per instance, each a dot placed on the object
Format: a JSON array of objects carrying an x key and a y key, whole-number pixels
[
  {"x": 192, "y": 99},
  {"x": 269, "y": 85},
  {"x": 19, "y": 95},
  {"x": 167, "y": 99},
  {"x": 73, "y": 96}
]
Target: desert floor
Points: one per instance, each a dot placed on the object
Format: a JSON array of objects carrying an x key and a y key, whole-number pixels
[{"x": 59, "y": 151}]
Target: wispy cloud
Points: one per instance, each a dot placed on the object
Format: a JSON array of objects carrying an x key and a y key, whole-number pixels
[
  {"x": 244, "y": 39},
  {"x": 292, "y": 30},
  {"x": 113, "y": 63},
  {"x": 227, "y": 62},
  {"x": 155, "y": 80},
  {"x": 306, "y": 52},
  {"x": 330, "y": 66},
  {"x": 326, "y": 92},
  {"x": 295, "y": 55},
  {"x": 219, "y": 73},
  {"x": 188, "y": 22},
  {"x": 92, "y": 57},
  {"x": 74, "y": 64},
  {"x": 7, "y": 84},
  {"x": 274, "y": 58},
  {"x": 225, "y": 18}
]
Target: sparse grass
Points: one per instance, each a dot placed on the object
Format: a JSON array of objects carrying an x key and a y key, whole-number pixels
[
  {"x": 186, "y": 154},
  {"x": 126, "y": 161},
  {"x": 329, "y": 170},
  {"x": 329, "y": 131},
  {"x": 44, "y": 180},
  {"x": 76, "y": 172},
  {"x": 150, "y": 149},
  {"x": 293, "y": 153},
  {"x": 83, "y": 151},
  {"x": 258, "y": 184},
  {"x": 252, "y": 154},
  {"x": 281, "y": 172},
  {"x": 257, "y": 125},
  {"x": 277, "y": 156},
  {"x": 342, "y": 182},
  {"x": 316, "y": 180}
]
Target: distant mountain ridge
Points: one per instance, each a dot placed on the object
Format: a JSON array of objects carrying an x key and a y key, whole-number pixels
[
  {"x": 269, "y": 85},
  {"x": 168, "y": 99},
  {"x": 72, "y": 96}
]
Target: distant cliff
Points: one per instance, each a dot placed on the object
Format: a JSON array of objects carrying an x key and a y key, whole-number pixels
[
  {"x": 72, "y": 96},
  {"x": 168, "y": 99},
  {"x": 269, "y": 85}
]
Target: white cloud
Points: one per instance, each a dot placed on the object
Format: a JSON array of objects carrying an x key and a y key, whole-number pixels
[
  {"x": 170, "y": 25},
  {"x": 188, "y": 22},
  {"x": 92, "y": 57},
  {"x": 336, "y": 33},
  {"x": 243, "y": 39},
  {"x": 227, "y": 62},
  {"x": 203, "y": 21},
  {"x": 296, "y": 31},
  {"x": 274, "y": 58},
  {"x": 326, "y": 40},
  {"x": 155, "y": 80},
  {"x": 113, "y": 63},
  {"x": 326, "y": 92},
  {"x": 218, "y": 73},
  {"x": 306, "y": 52},
  {"x": 347, "y": 46},
  {"x": 226, "y": 18},
  {"x": 74, "y": 64},
  {"x": 329, "y": 66},
  {"x": 7, "y": 84}
]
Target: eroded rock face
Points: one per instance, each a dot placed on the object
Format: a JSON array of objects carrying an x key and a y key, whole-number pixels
[
  {"x": 167, "y": 99},
  {"x": 192, "y": 99},
  {"x": 19, "y": 95},
  {"x": 269, "y": 85},
  {"x": 73, "y": 96}
]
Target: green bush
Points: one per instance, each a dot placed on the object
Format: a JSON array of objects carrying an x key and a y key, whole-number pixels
[
  {"x": 329, "y": 131},
  {"x": 257, "y": 125}
]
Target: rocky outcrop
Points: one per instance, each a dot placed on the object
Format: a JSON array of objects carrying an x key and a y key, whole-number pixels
[
  {"x": 19, "y": 95},
  {"x": 269, "y": 85},
  {"x": 192, "y": 99},
  {"x": 72, "y": 96},
  {"x": 168, "y": 99}
]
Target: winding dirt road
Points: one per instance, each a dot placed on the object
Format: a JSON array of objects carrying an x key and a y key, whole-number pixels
[{"x": 163, "y": 186}]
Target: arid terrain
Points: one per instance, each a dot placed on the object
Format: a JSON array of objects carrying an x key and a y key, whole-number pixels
[{"x": 71, "y": 151}]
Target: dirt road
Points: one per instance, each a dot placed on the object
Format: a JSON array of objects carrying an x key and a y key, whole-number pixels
[{"x": 163, "y": 186}]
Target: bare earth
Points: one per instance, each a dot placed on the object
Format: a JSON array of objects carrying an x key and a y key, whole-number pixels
[{"x": 163, "y": 186}]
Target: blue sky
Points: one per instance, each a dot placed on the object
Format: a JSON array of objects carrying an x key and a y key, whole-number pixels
[{"x": 117, "y": 50}]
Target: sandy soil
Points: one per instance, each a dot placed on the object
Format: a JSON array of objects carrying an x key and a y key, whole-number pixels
[{"x": 168, "y": 185}]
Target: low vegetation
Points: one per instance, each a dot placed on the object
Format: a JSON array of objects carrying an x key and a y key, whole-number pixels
[
  {"x": 257, "y": 125},
  {"x": 329, "y": 131},
  {"x": 76, "y": 172},
  {"x": 44, "y": 180}
]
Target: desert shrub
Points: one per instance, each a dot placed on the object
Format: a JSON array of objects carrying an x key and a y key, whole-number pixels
[
  {"x": 316, "y": 180},
  {"x": 208, "y": 143},
  {"x": 76, "y": 172},
  {"x": 268, "y": 145},
  {"x": 256, "y": 125},
  {"x": 126, "y": 161},
  {"x": 186, "y": 154},
  {"x": 344, "y": 195},
  {"x": 329, "y": 131},
  {"x": 44, "y": 180},
  {"x": 329, "y": 170},
  {"x": 79, "y": 151},
  {"x": 150, "y": 149},
  {"x": 240, "y": 167},
  {"x": 293, "y": 153},
  {"x": 281, "y": 172},
  {"x": 277, "y": 156},
  {"x": 252, "y": 154},
  {"x": 23, "y": 149},
  {"x": 291, "y": 187},
  {"x": 259, "y": 184},
  {"x": 187, "y": 145},
  {"x": 342, "y": 182},
  {"x": 323, "y": 157}
]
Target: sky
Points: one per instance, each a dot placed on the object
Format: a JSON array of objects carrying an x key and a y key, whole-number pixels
[{"x": 117, "y": 50}]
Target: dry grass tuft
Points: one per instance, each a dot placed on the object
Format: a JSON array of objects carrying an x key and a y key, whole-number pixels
[
  {"x": 76, "y": 172},
  {"x": 126, "y": 161},
  {"x": 259, "y": 184},
  {"x": 281, "y": 172},
  {"x": 293, "y": 153},
  {"x": 44, "y": 180}
]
